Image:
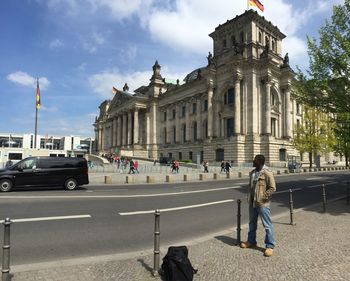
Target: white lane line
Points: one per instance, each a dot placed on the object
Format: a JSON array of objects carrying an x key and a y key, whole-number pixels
[
  {"x": 50, "y": 218},
  {"x": 176, "y": 208},
  {"x": 305, "y": 187},
  {"x": 119, "y": 196}
]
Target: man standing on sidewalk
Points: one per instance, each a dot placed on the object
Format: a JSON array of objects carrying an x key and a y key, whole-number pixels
[{"x": 261, "y": 186}]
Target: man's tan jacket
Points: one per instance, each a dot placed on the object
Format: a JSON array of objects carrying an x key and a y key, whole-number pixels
[{"x": 264, "y": 187}]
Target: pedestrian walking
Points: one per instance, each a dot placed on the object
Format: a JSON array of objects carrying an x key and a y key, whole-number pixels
[
  {"x": 261, "y": 186},
  {"x": 222, "y": 166},
  {"x": 131, "y": 167},
  {"x": 177, "y": 166},
  {"x": 227, "y": 167},
  {"x": 205, "y": 166},
  {"x": 136, "y": 166}
]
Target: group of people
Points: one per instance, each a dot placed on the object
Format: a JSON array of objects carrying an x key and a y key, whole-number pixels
[
  {"x": 175, "y": 166},
  {"x": 225, "y": 167},
  {"x": 122, "y": 162}
]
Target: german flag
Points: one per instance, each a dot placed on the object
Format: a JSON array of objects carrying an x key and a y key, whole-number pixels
[
  {"x": 37, "y": 94},
  {"x": 256, "y": 3}
]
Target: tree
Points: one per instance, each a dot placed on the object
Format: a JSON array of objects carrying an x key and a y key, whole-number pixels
[
  {"x": 327, "y": 83},
  {"x": 342, "y": 134},
  {"x": 315, "y": 134}
]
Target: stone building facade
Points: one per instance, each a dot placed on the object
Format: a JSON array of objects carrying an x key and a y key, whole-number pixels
[{"x": 237, "y": 106}]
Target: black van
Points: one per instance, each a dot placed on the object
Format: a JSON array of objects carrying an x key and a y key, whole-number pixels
[{"x": 45, "y": 171}]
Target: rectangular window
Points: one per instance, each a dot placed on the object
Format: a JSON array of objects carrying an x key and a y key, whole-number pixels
[
  {"x": 183, "y": 111},
  {"x": 230, "y": 96},
  {"x": 174, "y": 134},
  {"x": 229, "y": 127},
  {"x": 174, "y": 113},
  {"x": 194, "y": 108},
  {"x": 164, "y": 115},
  {"x": 180, "y": 156},
  {"x": 190, "y": 155},
  {"x": 205, "y": 105},
  {"x": 273, "y": 127}
]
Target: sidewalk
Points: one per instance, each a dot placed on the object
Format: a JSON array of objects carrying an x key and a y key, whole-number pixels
[{"x": 317, "y": 248}]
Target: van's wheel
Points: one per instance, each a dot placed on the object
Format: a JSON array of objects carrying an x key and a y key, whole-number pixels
[
  {"x": 71, "y": 184},
  {"x": 5, "y": 185}
]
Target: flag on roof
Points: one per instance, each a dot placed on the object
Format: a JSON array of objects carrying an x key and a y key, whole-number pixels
[{"x": 256, "y": 3}]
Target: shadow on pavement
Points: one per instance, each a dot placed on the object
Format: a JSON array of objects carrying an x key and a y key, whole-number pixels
[
  {"x": 145, "y": 265},
  {"x": 227, "y": 240}
]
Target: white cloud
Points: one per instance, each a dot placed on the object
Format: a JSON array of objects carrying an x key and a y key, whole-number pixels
[
  {"x": 56, "y": 44},
  {"x": 27, "y": 80},
  {"x": 103, "y": 82}
]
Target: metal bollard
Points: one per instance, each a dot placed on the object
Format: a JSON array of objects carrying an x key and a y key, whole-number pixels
[
  {"x": 324, "y": 197},
  {"x": 291, "y": 207},
  {"x": 156, "y": 243},
  {"x": 6, "y": 251},
  {"x": 239, "y": 221}
]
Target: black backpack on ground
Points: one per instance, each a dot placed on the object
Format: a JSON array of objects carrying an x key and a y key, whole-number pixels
[{"x": 176, "y": 266}]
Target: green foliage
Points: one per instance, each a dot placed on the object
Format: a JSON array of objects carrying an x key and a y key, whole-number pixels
[
  {"x": 327, "y": 84},
  {"x": 315, "y": 134}
]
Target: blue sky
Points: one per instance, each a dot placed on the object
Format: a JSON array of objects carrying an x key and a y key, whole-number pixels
[{"x": 79, "y": 49}]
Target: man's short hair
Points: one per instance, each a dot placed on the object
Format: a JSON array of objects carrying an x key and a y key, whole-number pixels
[{"x": 260, "y": 158}]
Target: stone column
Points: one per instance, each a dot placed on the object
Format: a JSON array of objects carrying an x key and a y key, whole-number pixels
[
  {"x": 288, "y": 119},
  {"x": 119, "y": 130},
  {"x": 114, "y": 138},
  {"x": 100, "y": 139},
  {"x": 222, "y": 127},
  {"x": 199, "y": 119},
  {"x": 188, "y": 121},
  {"x": 210, "y": 109},
  {"x": 136, "y": 126},
  {"x": 124, "y": 141},
  {"x": 167, "y": 126},
  {"x": 148, "y": 129},
  {"x": 237, "y": 129},
  {"x": 129, "y": 128},
  {"x": 267, "y": 106},
  {"x": 177, "y": 123}
]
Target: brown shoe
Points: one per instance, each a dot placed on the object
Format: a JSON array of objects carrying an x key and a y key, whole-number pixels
[
  {"x": 268, "y": 252},
  {"x": 247, "y": 245}
]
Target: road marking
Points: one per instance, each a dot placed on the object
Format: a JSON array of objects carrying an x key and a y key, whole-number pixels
[
  {"x": 176, "y": 208},
  {"x": 50, "y": 218},
  {"x": 305, "y": 187},
  {"x": 118, "y": 196}
]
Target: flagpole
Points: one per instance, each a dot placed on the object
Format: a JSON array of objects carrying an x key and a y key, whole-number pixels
[{"x": 36, "y": 114}]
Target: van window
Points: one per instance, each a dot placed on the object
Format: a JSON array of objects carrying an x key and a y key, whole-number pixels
[{"x": 28, "y": 164}]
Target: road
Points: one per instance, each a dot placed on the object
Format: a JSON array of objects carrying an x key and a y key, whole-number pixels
[{"x": 55, "y": 224}]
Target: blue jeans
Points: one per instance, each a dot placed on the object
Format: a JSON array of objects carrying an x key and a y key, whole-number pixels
[{"x": 265, "y": 215}]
